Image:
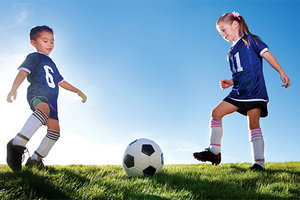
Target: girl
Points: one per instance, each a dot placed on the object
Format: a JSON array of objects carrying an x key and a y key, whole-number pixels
[{"x": 249, "y": 95}]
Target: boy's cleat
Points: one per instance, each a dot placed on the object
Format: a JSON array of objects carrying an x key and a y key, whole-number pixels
[
  {"x": 207, "y": 155},
  {"x": 256, "y": 167},
  {"x": 34, "y": 163},
  {"x": 15, "y": 156}
]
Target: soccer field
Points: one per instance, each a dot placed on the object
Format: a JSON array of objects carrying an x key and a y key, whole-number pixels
[{"x": 201, "y": 181}]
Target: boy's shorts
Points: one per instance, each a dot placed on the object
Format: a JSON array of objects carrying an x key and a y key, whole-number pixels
[
  {"x": 33, "y": 102},
  {"x": 244, "y": 107}
]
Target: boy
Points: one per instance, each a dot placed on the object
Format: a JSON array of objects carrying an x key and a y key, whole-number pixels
[{"x": 42, "y": 95}]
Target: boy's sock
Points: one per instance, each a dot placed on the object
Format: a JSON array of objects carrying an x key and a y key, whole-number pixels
[
  {"x": 257, "y": 146},
  {"x": 36, "y": 120},
  {"x": 46, "y": 144},
  {"x": 216, "y": 133}
]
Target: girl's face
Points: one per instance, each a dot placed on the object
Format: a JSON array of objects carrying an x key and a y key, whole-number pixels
[
  {"x": 44, "y": 42},
  {"x": 229, "y": 31}
]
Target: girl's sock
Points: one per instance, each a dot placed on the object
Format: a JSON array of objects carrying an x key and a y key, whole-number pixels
[
  {"x": 216, "y": 133},
  {"x": 257, "y": 146}
]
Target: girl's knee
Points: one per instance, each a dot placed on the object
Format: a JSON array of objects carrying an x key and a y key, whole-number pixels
[
  {"x": 253, "y": 118},
  {"x": 216, "y": 115}
]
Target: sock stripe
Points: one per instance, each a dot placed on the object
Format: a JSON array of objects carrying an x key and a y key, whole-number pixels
[
  {"x": 255, "y": 134},
  {"x": 23, "y": 137},
  {"x": 216, "y": 145},
  {"x": 53, "y": 135},
  {"x": 40, "y": 116},
  {"x": 39, "y": 155},
  {"x": 216, "y": 123},
  {"x": 260, "y": 160}
]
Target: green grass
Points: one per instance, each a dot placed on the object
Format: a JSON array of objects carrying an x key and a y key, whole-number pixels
[{"x": 203, "y": 181}]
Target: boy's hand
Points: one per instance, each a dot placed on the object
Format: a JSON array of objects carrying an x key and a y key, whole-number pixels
[
  {"x": 83, "y": 96},
  {"x": 10, "y": 95}
]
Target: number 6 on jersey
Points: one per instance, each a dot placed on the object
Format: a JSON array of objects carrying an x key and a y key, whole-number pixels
[{"x": 49, "y": 77}]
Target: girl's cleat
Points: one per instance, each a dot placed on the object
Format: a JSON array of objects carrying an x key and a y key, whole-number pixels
[{"x": 207, "y": 155}]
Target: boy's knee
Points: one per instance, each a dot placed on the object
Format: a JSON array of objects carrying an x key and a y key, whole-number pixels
[
  {"x": 53, "y": 124},
  {"x": 44, "y": 107}
]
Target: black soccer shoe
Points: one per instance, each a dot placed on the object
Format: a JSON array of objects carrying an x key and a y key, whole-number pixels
[
  {"x": 34, "y": 163},
  {"x": 207, "y": 155},
  {"x": 256, "y": 167},
  {"x": 15, "y": 156}
]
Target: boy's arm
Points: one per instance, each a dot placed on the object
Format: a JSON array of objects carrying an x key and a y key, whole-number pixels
[
  {"x": 273, "y": 62},
  {"x": 18, "y": 81},
  {"x": 71, "y": 88}
]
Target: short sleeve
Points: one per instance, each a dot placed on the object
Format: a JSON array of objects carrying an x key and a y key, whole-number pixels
[
  {"x": 29, "y": 64},
  {"x": 261, "y": 46},
  {"x": 60, "y": 79}
]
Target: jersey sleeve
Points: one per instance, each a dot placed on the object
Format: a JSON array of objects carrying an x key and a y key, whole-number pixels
[
  {"x": 261, "y": 46},
  {"x": 29, "y": 63},
  {"x": 60, "y": 79}
]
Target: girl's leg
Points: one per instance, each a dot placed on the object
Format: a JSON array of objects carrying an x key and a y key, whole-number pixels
[
  {"x": 37, "y": 119},
  {"x": 212, "y": 154},
  {"x": 216, "y": 129},
  {"x": 255, "y": 137},
  {"x": 48, "y": 141}
]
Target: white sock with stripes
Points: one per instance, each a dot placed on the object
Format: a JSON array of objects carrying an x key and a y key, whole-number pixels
[
  {"x": 216, "y": 133},
  {"x": 46, "y": 144},
  {"x": 35, "y": 121},
  {"x": 257, "y": 146}
]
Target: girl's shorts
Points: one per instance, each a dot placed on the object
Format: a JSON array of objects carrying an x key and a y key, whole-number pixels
[{"x": 245, "y": 106}]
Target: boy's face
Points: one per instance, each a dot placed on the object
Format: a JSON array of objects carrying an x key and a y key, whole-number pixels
[{"x": 44, "y": 43}]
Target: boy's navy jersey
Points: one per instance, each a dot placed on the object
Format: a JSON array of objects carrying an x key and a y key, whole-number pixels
[
  {"x": 43, "y": 77},
  {"x": 247, "y": 72}
]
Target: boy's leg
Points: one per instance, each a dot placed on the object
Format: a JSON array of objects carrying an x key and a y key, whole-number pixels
[
  {"x": 38, "y": 118},
  {"x": 16, "y": 147},
  {"x": 46, "y": 144},
  {"x": 216, "y": 131},
  {"x": 256, "y": 139}
]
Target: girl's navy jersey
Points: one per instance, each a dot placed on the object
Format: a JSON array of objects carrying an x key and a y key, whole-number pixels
[
  {"x": 247, "y": 72},
  {"x": 43, "y": 77}
]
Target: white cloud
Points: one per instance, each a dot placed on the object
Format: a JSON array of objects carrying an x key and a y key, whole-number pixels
[{"x": 21, "y": 16}]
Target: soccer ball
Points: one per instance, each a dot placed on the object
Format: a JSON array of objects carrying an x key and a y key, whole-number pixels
[{"x": 143, "y": 157}]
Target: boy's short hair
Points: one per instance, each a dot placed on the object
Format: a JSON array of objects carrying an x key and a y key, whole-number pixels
[{"x": 34, "y": 32}]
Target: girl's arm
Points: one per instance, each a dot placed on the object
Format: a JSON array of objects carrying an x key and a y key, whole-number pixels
[
  {"x": 226, "y": 83},
  {"x": 71, "y": 88},
  {"x": 18, "y": 81},
  {"x": 273, "y": 62}
]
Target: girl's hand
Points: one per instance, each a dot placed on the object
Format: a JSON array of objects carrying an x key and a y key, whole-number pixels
[
  {"x": 11, "y": 94},
  {"x": 285, "y": 79},
  {"x": 83, "y": 96},
  {"x": 226, "y": 83}
]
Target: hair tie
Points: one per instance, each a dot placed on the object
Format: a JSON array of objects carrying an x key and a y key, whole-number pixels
[{"x": 235, "y": 14}]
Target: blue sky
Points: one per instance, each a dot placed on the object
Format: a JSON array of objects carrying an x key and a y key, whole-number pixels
[{"x": 150, "y": 69}]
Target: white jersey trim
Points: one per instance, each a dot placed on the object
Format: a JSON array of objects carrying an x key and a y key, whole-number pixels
[
  {"x": 248, "y": 100},
  {"x": 61, "y": 81},
  {"x": 263, "y": 51},
  {"x": 25, "y": 69}
]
